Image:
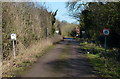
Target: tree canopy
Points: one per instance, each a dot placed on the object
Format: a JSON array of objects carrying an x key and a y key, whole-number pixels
[{"x": 95, "y": 16}]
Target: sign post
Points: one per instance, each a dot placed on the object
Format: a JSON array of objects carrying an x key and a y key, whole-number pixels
[
  {"x": 13, "y": 38},
  {"x": 14, "y": 53},
  {"x": 105, "y": 44},
  {"x": 106, "y": 32}
]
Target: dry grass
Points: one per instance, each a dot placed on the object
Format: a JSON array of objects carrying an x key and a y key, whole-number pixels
[
  {"x": 28, "y": 22},
  {"x": 27, "y": 54},
  {"x": 0, "y": 40}
]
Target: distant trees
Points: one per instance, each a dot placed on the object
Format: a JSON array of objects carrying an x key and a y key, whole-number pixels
[
  {"x": 94, "y": 16},
  {"x": 68, "y": 29}
]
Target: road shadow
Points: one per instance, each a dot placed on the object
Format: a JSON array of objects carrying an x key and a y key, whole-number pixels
[{"x": 74, "y": 67}]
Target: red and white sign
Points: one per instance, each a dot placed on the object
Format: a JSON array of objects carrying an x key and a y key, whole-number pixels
[{"x": 106, "y": 31}]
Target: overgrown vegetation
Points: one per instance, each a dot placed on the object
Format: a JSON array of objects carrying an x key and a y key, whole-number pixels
[
  {"x": 106, "y": 65},
  {"x": 31, "y": 22},
  {"x": 16, "y": 67},
  {"x": 95, "y": 16},
  {"x": 35, "y": 29}
]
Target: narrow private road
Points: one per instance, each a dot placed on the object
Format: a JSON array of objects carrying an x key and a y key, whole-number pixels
[{"x": 64, "y": 60}]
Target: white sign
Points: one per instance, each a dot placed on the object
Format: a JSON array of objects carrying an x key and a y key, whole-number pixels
[
  {"x": 57, "y": 31},
  {"x": 106, "y": 31},
  {"x": 13, "y": 36}
]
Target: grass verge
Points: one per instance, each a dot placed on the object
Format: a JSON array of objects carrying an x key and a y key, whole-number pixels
[
  {"x": 22, "y": 67},
  {"x": 106, "y": 67},
  {"x": 26, "y": 56},
  {"x": 28, "y": 64}
]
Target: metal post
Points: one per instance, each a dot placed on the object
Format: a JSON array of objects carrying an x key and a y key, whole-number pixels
[
  {"x": 106, "y": 33},
  {"x": 105, "y": 44},
  {"x": 14, "y": 54}
]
